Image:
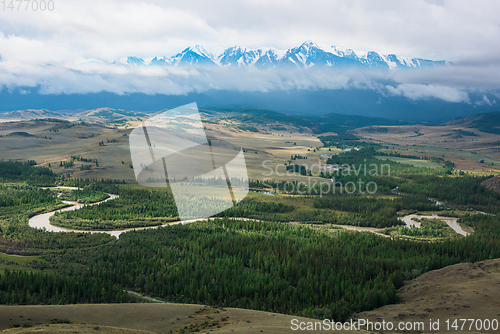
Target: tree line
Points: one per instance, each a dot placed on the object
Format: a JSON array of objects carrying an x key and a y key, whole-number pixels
[
  {"x": 24, "y": 172},
  {"x": 32, "y": 288}
]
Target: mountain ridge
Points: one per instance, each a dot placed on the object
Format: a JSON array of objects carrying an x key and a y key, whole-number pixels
[
  {"x": 307, "y": 55},
  {"x": 318, "y": 124},
  {"x": 488, "y": 122}
]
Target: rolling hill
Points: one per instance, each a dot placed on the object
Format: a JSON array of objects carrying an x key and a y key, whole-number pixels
[{"x": 487, "y": 122}]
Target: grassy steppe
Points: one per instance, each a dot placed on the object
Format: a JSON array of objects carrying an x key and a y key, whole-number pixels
[
  {"x": 156, "y": 318},
  {"x": 308, "y": 270}
]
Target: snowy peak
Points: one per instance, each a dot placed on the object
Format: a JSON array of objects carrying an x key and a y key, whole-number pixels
[
  {"x": 269, "y": 59},
  {"x": 306, "y": 55},
  {"x": 132, "y": 61},
  {"x": 161, "y": 61},
  {"x": 196, "y": 55},
  {"x": 199, "y": 50},
  {"x": 238, "y": 56}
]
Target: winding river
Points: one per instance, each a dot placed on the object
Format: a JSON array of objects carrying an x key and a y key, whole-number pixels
[
  {"x": 451, "y": 221},
  {"x": 43, "y": 221}
]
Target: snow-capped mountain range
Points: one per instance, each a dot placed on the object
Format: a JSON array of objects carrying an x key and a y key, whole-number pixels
[{"x": 307, "y": 55}]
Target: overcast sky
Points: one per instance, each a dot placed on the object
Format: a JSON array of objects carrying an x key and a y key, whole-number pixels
[{"x": 463, "y": 31}]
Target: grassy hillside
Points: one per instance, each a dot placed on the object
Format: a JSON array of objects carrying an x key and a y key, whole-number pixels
[
  {"x": 487, "y": 122},
  {"x": 133, "y": 318},
  {"x": 334, "y": 122},
  {"x": 448, "y": 293}
]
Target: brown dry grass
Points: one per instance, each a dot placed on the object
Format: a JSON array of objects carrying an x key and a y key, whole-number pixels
[
  {"x": 465, "y": 290},
  {"x": 441, "y": 141},
  {"x": 274, "y": 146},
  {"x": 73, "y": 328},
  {"x": 158, "y": 318}
]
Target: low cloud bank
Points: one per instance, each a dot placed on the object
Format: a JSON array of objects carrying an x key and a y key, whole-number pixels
[{"x": 451, "y": 84}]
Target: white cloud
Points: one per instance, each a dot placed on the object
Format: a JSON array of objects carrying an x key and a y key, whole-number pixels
[
  {"x": 420, "y": 91},
  {"x": 108, "y": 29},
  {"x": 484, "y": 101},
  {"x": 92, "y": 78},
  {"x": 42, "y": 49}
]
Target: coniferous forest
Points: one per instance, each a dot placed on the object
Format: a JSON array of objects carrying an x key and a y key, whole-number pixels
[
  {"x": 275, "y": 267},
  {"x": 250, "y": 256}
]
